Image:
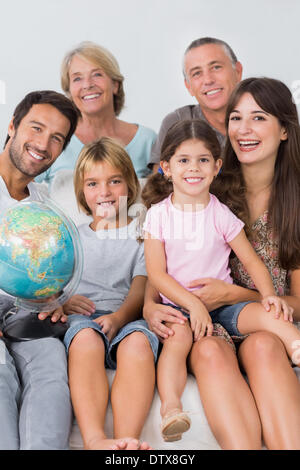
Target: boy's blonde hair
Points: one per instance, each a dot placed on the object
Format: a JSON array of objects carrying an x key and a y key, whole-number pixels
[
  {"x": 109, "y": 151},
  {"x": 103, "y": 59}
]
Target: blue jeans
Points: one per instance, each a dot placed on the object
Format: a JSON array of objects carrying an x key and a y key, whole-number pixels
[
  {"x": 38, "y": 414},
  {"x": 227, "y": 316},
  {"x": 79, "y": 322}
]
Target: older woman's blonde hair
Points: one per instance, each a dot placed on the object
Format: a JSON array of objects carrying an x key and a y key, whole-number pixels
[
  {"x": 103, "y": 59},
  {"x": 109, "y": 151}
]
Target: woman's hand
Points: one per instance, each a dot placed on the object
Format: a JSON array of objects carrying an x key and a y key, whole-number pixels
[
  {"x": 281, "y": 307},
  {"x": 212, "y": 292},
  {"x": 110, "y": 325},
  {"x": 157, "y": 314},
  {"x": 78, "y": 304}
]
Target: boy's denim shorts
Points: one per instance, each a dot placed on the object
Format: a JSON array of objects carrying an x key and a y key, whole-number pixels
[
  {"x": 227, "y": 316},
  {"x": 79, "y": 322}
]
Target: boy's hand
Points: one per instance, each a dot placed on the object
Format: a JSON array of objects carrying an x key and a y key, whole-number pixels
[
  {"x": 281, "y": 307},
  {"x": 110, "y": 325},
  {"x": 78, "y": 304}
]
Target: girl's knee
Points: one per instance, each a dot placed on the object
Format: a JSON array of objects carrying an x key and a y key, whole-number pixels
[{"x": 182, "y": 335}]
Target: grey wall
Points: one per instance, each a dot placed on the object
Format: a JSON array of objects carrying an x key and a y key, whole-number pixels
[{"x": 148, "y": 37}]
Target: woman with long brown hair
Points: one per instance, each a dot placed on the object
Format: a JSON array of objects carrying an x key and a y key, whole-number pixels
[{"x": 260, "y": 182}]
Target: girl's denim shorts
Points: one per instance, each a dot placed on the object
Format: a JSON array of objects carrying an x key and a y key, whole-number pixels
[
  {"x": 79, "y": 322},
  {"x": 227, "y": 316}
]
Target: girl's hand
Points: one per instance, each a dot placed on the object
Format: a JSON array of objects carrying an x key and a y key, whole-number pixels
[
  {"x": 110, "y": 325},
  {"x": 212, "y": 292},
  {"x": 281, "y": 307},
  {"x": 78, "y": 304},
  {"x": 201, "y": 323}
]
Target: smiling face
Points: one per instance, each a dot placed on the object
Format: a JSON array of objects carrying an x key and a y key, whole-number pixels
[
  {"x": 211, "y": 76},
  {"x": 254, "y": 134},
  {"x": 38, "y": 140},
  {"x": 192, "y": 169},
  {"x": 106, "y": 191},
  {"x": 91, "y": 89}
]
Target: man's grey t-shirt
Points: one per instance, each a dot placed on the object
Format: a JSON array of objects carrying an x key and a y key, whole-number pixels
[
  {"x": 111, "y": 259},
  {"x": 192, "y": 111}
]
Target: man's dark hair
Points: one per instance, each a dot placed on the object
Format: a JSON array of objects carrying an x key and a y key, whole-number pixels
[{"x": 58, "y": 100}]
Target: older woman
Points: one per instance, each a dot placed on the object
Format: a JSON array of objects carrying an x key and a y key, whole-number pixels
[
  {"x": 260, "y": 182},
  {"x": 91, "y": 78}
]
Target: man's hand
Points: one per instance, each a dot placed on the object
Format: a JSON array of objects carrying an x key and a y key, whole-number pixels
[
  {"x": 58, "y": 314},
  {"x": 157, "y": 314}
]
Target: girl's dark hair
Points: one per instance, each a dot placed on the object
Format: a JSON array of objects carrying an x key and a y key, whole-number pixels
[
  {"x": 58, "y": 100},
  {"x": 275, "y": 98},
  {"x": 158, "y": 187}
]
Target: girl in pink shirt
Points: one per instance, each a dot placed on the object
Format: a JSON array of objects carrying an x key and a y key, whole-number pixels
[{"x": 189, "y": 234}]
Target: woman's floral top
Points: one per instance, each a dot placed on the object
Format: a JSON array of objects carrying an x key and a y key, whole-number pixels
[{"x": 266, "y": 246}]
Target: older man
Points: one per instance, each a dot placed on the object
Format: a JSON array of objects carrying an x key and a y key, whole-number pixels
[
  {"x": 35, "y": 406},
  {"x": 211, "y": 71}
]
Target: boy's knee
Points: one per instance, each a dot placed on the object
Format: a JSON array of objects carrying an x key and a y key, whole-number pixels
[
  {"x": 87, "y": 338},
  {"x": 137, "y": 345}
]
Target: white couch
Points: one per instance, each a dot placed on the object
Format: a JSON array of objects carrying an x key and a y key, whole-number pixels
[{"x": 199, "y": 436}]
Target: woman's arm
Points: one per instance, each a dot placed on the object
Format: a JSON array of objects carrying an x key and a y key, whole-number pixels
[
  {"x": 253, "y": 264},
  {"x": 215, "y": 293},
  {"x": 260, "y": 276}
]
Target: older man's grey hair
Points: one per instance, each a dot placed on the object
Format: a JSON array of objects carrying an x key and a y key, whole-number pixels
[{"x": 203, "y": 41}]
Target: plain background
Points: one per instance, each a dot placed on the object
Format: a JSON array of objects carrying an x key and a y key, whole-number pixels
[{"x": 148, "y": 38}]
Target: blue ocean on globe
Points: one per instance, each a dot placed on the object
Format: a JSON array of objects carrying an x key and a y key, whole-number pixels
[{"x": 36, "y": 251}]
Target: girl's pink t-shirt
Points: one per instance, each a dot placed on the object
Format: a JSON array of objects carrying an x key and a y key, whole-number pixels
[{"x": 196, "y": 242}]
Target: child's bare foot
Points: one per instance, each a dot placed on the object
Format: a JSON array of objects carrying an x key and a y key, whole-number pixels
[
  {"x": 145, "y": 446},
  {"x": 126, "y": 443}
]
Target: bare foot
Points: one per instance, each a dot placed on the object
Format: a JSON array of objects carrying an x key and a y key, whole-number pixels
[
  {"x": 127, "y": 443},
  {"x": 133, "y": 444},
  {"x": 145, "y": 446},
  {"x": 99, "y": 443}
]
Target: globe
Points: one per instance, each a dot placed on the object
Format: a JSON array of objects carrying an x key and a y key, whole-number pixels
[{"x": 40, "y": 254}]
